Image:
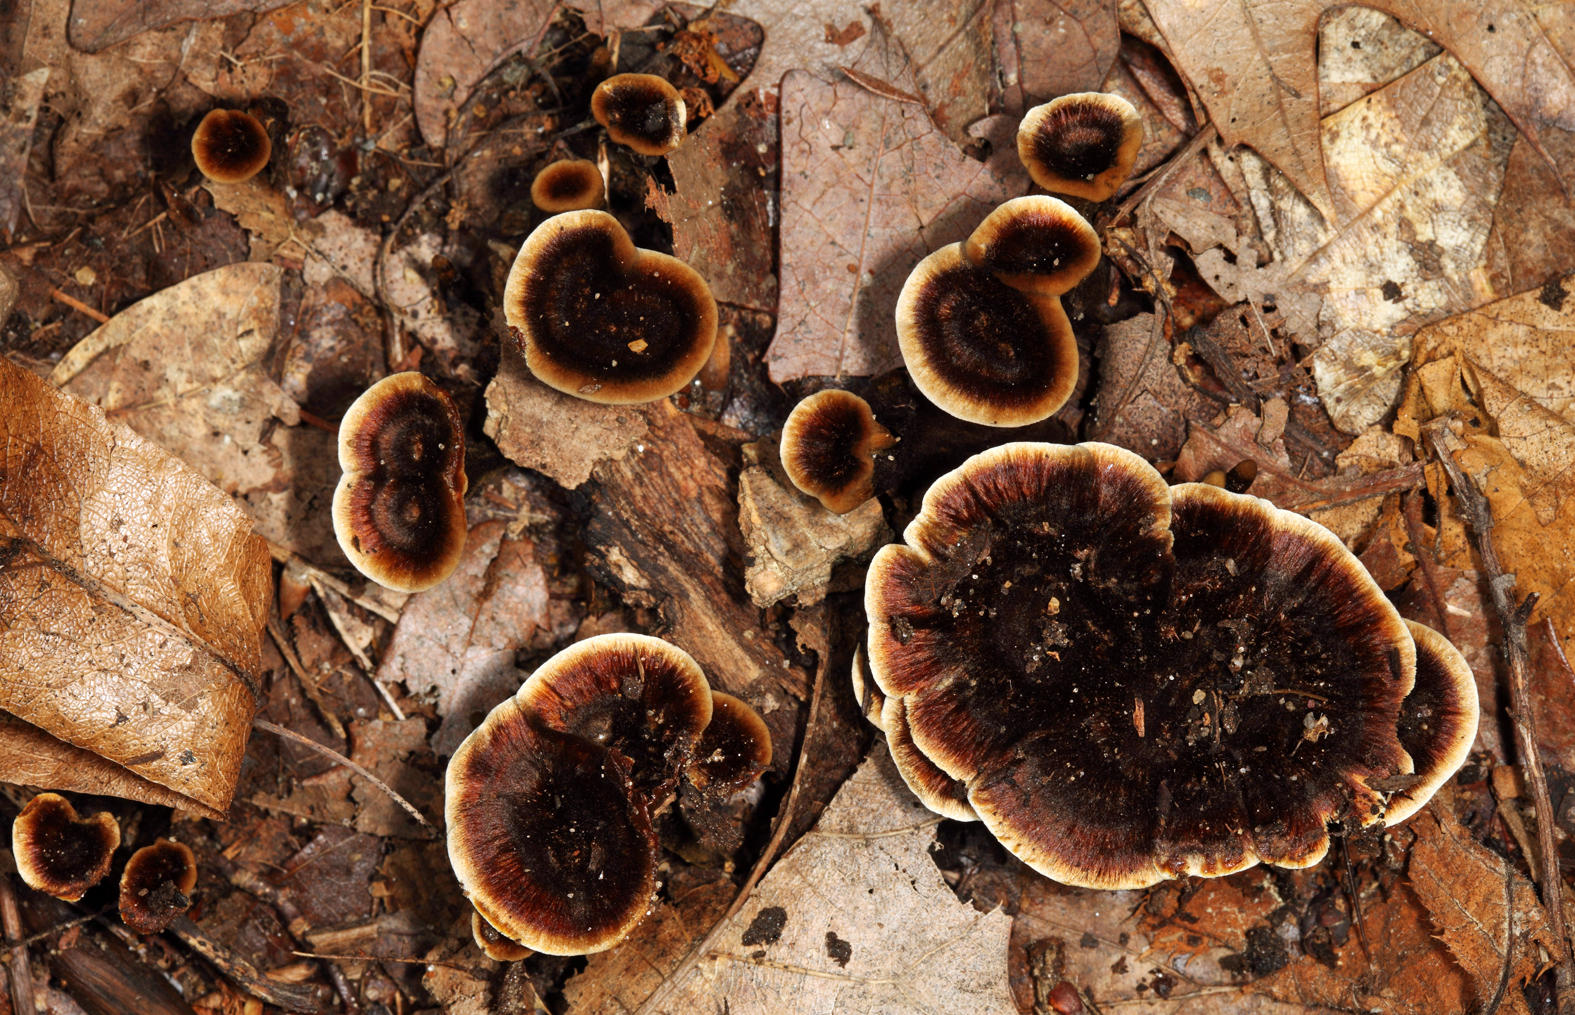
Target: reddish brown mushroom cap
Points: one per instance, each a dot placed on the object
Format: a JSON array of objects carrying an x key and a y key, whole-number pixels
[
  {"x": 640, "y": 111},
  {"x": 935, "y": 789},
  {"x": 828, "y": 447},
  {"x": 568, "y": 185},
  {"x": 1082, "y": 144},
  {"x": 1438, "y": 720},
  {"x": 1036, "y": 243},
  {"x": 734, "y": 749},
  {"x": 493, "y": 943},
  {"x": 1134, "y": 682},
  {"x": 981, "y": 350},
  {"x": 399, "y": 509},
  {"x": 230, "y": 146},
  {"x": 604, "y": 320},
  {"x": 58, "y": 853},
  {"x": 156, "y": 885}
]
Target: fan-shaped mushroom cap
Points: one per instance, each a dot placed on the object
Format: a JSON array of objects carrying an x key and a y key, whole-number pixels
[
  {"x": 1036, "y": 243},
  {"x": 602, "y": 319},
  {"x": 230, "y": 146},
  {"x": 734, "y": 749},
  {"x": 828, "y": 447},
  {"x": 870, "y": 698},
  {"x": 568, "y": 185},
  {"x": 978, "y": 348},
  {"x": 399, "y": 509},
  {"x": 1083, "y": 144},
  {"x": 58, "y": 853},
  {"x": 1438, "y": 720},
  {"x": 1134, "y": 682},
  {"x": 493, "y": 943},
  {"x": 935, "y": 789},
  {"x": 156, "y": 885},
  {"x": 640, "y": 111}
]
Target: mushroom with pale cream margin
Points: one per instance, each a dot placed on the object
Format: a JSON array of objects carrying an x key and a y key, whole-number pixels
[
  {"x": 1083, "y": 144},
  {"x": 230, "y": 146},
  {"x": 59, "y": 853},
  {"x": 828, "y": 448},
  {"x": 642, "y": 112}
]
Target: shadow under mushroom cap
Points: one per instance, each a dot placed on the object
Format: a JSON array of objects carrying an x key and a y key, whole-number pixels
[{"x": 1136, "y": 682}]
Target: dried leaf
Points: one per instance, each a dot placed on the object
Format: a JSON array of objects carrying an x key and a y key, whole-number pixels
[
  {"x": 856, "y": 918},
  {"x": 1083, "y": 35},
  {"x": 132, "y": 600},
  {"x": 99, "y": 24},
  {"x": 18, "y": 113},
  {"x": 462, "y": 43}
]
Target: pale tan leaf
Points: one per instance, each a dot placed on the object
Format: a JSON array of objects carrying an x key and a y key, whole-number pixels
[{"x": 1082, "y": 35}]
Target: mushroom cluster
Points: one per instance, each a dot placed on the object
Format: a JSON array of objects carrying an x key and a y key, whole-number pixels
[
  {"x": 550, "y": 802},
  {"x": 1128, "y": 682}
]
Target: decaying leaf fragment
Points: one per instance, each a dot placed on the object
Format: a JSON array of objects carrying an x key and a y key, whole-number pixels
[{"x": 132, "y": 601}]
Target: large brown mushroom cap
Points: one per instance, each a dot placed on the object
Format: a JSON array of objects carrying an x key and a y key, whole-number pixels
[
  {"x": 640, "y": 111},
  {"x": 828, "y": 447},
  {"x": 57, "y": 852},
  {"x": 1083, "y": 144},
  {"x": 156, "y": 884},
  {"x": 1438, "y": 720},
  {"x": 568, "y": 185},
  {"x": 980, "y": 349},
  {"x": 1136, "y": 682},
  {"x": 230, "y": 146},
  {"x": 602, "y": 319},
  {"x": 399, "y": 510},
  {"x": 1035, "y": 243}
]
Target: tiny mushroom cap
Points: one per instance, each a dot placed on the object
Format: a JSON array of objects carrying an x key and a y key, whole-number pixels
[
  {"x": 828, "y": 448},
  {"x": 399, "y": 509},
  {"x": 604, "y": 320},
  {"x": 734, "y": 749},
  {"x": 230, "y": 146},
  {"x": 640, "y": 111},
  {"x": 1038, "y": 243},
  {"x": 865, "y": 691},
  {"x": 490, "y": 940},
  {"x": 980, "y": 349},
  {"x": 58, "y": 853},
  {"x": 568, "y": 185},
  {"x": 1133, "y": 682},
  {"x": 156, "y": 885},
  {"x": 1438, "y": 720},
  {"x": 1082, "y": 144}
]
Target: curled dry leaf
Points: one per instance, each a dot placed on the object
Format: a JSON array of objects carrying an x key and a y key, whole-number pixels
[
  {"x": 132, "y": 601},
  {"x": 1083, "y": 35}
]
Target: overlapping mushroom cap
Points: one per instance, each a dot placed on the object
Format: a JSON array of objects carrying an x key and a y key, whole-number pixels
[
  {"x": 828, "y": 447},
  {"x": 1132, "y": 682}
]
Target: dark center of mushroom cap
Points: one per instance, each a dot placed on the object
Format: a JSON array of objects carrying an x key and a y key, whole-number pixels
[
  {"x": 566, "y": 181},
  {"x": 835, "y": 447},
  {"x": 1033, "y": 244},
  {"x": 1078, "y": 141},
  {"x": 407, "y": 513},
  {"x": 408, "y": 434},
  {"x": 69, "y": 853}
]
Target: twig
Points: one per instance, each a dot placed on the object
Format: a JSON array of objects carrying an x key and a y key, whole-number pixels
[
  {"x": 21, "y": 975},
  {"x": 308, "y": 685},
  {"x": 296, "y": 924},
  {"x": 784, "y": 819},
  {"x": 296, "y": 997},
  {"x": 1509, "y": 940},
  {"x": 360, "y": 657},
  {"x": 284, "y": 555},
  {"x": 77, "y": 305},
  {"x": 1517, "y": 658},
  {"x": 366, "y": 66},
  {"x": 337, "y": 758},
  {"x": 1179, "y": 158}
]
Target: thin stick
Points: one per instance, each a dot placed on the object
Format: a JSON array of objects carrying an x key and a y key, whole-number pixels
[
  {"x": 1517, "y": 658},
  {"x": 77, "y": 305},
  {"x": 1194, "y": 144},
  {"x": 308, "y": 685},
  {"x": 1412, "y": 513},
  {"x": 360, "y": 657},
  {"x": 366, "y": 65},
  {"x": 340, "y": 759},
  {"x": 284, "y": 555}
]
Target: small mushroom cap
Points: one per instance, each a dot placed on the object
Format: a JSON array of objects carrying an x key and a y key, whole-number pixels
[
  {"x": 1083, "y": 144},
  {"x": 640, "y": 111},
  {"x": 156, "y": 884},
  {"x": 935, "y": 789},
  {"x": 981, "y": 350},
  {"x": 871, "y": 700},
  {"x": 1438, "y": 720},
  {"x": 828, "y": 447},
  {"x": 640, "y": 696},
  {"x": 568, "y": 185},
  {"x": 493, "y": 943},
  {"x": 1038, "y": 244},
  {"x": 547, "y": 835},
  {"x": 602, "y": 319},
  {"x": 399, "y": 509},
  {"x": 734, "y": 749},
  {"x": 230, "y": 146},
  {"x": 58, "y": 853},
  {"x": 1137, "y": 682}
]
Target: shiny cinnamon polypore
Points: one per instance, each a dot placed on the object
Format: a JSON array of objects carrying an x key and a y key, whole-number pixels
[
  {"x": 230, "y": 146},
  {"x": 1134, "y": 682},
  {"x": 828, "y": 447},
  {"x": 399, "y": 509},
  {"x": 156, "y": 885},
  {"x": 980, "y": 349},
  {"x": 550, "y": 801},
  {"x": 1082, "y": 144},
  {"x": 568, "y": 185},
  {"x": 734, "y": 749},
  {"x": 604, "y": 320},
  {"x": 640, "y": 111},
  {"x": 57, "y": 852},
  {"x": 1036, "y": 243}
]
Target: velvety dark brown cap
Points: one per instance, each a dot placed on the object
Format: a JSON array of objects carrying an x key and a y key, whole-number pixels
[
  {"x": 640, "y": 111},
  {"x": 980, "y": 349},
  {"x": 493, "y": 943},
  {"x": 156, "y": 885},
  {"x": 1038, "y": 244},
  {"x": 1082, "y": 144},
  {"x": 828, "y": 447},
  {"x": 58, "y": 853},
  {"x": 1438, "y": 720},
  {"x": 734, "y": 749},
  {"x": 399, "y": 509},
  {"x": 230, "y": 146},
  {"x": 604, "y": 320},
  {"x": 568, "y": 185}
]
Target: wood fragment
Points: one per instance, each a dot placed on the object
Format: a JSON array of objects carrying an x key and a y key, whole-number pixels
[
  {"x": 77, "y": 305},
  {"x": 293, "y": 997},
  {"x": 21, "y": 977}
]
